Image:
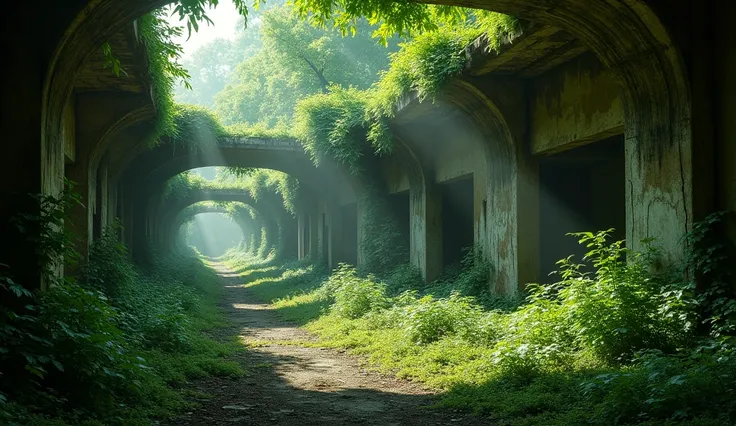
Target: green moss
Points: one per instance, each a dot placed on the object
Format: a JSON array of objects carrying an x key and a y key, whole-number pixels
[{"x": 335, "y": 124}]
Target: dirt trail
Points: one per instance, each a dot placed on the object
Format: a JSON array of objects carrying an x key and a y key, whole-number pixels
[{"x": 295, "y": 385}]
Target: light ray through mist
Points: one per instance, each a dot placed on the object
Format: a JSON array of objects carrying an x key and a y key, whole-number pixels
[{"x": 214, "y": 233}]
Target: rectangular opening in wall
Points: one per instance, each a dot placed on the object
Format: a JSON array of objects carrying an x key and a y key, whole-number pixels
[
  {"x": 580, "y": 190},
  {"x": 305, "y": 234},
  {"x": 457, "y": 218},
  {"x": 325, "y": 238},
  {"x": 97, "y": 213},
  {"x": 399, "y": 204},
  {"x": 349, "y": 234}
]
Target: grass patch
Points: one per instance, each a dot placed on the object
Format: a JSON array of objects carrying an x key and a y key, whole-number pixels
[{"x": 618, "y": 346}]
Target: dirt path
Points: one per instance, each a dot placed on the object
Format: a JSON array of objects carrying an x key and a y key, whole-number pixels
[{"x": 295, "y": 385}]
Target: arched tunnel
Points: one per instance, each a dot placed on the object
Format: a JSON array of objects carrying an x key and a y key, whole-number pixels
[
  {"x": 522, "y": 190},
  {"x": 118, "y": 176}
]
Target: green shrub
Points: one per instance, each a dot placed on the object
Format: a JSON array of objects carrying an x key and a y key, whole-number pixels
[
  {"x": 617, "y": 310},
  {"x": 73, "y": 355},
  {"x": 429, "y": 319},
  {"x": 354, "y": 296},
  {"x": 404, "y": 277},
  {"x": 615, "y": 341},
  {"x": 697, "y": 384}
]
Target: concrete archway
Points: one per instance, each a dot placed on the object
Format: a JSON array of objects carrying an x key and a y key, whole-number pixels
[
  {"x": 628, "y": 37},
  {"x": 465, "y": 136},
  {"x": 279, "y": 225},
  {"x": 247, "y": 227}
]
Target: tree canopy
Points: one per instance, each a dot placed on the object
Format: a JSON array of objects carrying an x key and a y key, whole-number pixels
[{"x": 297, "y": 60}]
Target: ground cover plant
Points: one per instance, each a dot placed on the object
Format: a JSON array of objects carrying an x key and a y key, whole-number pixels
[
  {"x": 111, "y": 347},
  {"x": 626, "y": 344}
]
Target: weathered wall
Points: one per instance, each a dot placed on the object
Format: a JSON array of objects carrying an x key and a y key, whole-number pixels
[
  {"x": 394, "y": 173},
  {"x": 573, "y": 104},
  {"x": 649, "y": 51}
]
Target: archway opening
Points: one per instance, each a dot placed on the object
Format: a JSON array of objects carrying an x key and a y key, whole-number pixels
[
  {"x": 349, "y": 234},
  {"x": 582, "y": 189},
  {"x": 213, "y": 234},
  {"x": 457, "y": 219}
]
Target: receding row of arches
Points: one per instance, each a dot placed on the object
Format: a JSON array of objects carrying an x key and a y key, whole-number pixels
[{"x": 486, "y": 165}]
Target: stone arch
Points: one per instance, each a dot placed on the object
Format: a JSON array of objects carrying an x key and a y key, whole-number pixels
[
  {"x": 279, "y": 225},
  {"x": 507, "y": 229},
  {"x": 425, "y": 251},
  {"x": 139, "y": 115},
  {"x": 181, "y": 220},
  {"x": 628, "y": 37},
  {"x": 496, "y": 180}
]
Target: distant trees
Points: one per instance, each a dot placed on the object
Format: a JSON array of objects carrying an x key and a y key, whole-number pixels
[
  {"x": 211, "y": 65},
  {"x": 295, "y": 60}
]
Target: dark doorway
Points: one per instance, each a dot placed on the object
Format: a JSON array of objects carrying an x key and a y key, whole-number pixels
[
  {"x": 325, "y": 238},
  {"x": 580, "y": 190},
  {"x": 457, "y": 218},
  {"x": 399, "y": 205},
  {"x": 305, "y": 234},
  {"x": 349, "y": 234}
]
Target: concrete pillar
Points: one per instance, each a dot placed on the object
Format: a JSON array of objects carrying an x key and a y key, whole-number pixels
[
  {"x": 302, "y": 225},
  {"x": 361, "y": 211},
  {"x": 508, "y": 213},
  {"x": 527, "y": 261},
  {"x": 112, "y": 204},
  {"x": 323, "y": 228},
  {"x": 126, "y": 210},
  {"x": 425, "y": 206}
]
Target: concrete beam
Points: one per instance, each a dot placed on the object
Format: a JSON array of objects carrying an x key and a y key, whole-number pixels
[{"x": 572, "y": 105}]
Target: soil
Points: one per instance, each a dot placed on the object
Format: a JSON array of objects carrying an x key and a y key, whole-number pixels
[{"x": 288, "y": 384}]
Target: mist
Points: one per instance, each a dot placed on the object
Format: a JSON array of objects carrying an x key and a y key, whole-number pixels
[{"x": 213, "y": 234}]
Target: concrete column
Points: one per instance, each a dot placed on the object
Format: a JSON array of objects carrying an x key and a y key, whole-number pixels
[
  {"x": 323, "y": 228},
  {"x": 112, "y": 204},
  {"x": 126, "y": 210},
  {"x": 302, "y": 224},
  {"x": 527, "y": 227},
  {"x": 361, "y": 225},
  {"x": 425, "y": 206}
]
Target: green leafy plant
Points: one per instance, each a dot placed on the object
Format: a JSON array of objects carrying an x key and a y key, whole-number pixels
[
  {"x": 354, "y": 296},
  {"x": 616, "y": 339},
  {"x": 74, "y": 354},
  {"x": 427, "y": 320}
]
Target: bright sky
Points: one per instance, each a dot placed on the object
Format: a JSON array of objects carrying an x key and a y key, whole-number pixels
[{"x": 226, "y": 19}]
